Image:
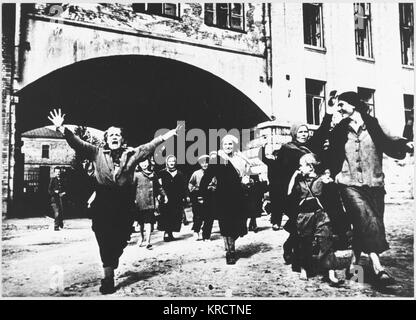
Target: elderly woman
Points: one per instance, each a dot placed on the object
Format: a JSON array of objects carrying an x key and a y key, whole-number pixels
[
  {"x": 149, "y": 193},
  {"x": 284, "y": 163},
  {"x": 174, "y": 183},
  {"x": 356, "y": 147},
  {"x": 230, "y": 169},
  {"x": 113, "y": 205}
]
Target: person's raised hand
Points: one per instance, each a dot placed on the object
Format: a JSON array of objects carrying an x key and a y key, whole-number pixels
[
  {"x": 57, "y": 118},
  {"x": 410, "y": 146},
  {"x": 332, "y": 102},
  {"x": 173, "y": 132}
]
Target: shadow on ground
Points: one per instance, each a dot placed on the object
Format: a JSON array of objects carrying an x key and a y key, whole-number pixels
[{"x": 248, "y": 250}]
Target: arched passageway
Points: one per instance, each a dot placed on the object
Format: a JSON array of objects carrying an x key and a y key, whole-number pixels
[{"x": 139, "y": 93}]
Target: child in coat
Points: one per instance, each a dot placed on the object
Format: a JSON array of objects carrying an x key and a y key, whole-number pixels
[{"x": 315, "y": 238}]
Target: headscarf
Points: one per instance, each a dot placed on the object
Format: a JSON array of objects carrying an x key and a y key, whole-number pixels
[
  {"x": 295, "y": 144},
  {"x": 353, "y": 99},
  {"x": 295, "y": 128},
  {"x": 166, "y": 161},
  {"x": 230, "y": 137}
]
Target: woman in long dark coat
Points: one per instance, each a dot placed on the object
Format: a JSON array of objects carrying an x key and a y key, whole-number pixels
[
  {"x": 286, "y": 163},
  {"x": 174, "y": 183},
  {"x": 229, "y": 167}
]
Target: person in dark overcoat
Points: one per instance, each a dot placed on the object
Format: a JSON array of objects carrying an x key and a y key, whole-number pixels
[
  {"x": 253, "y": 193},
  {"x": 149, "y": 193},
  {"x": 285, "y": 164},
  {"x": 171, "y": 214},
  {"x": 229, "y": 167},
  {"x": 57, "y": 192},
  {"x": 112, "y": 206}
]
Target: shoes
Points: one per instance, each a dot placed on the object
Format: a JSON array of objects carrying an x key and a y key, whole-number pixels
[
  {"x": 287, "y": 257},
  {"x": 57, "y": 228},
  {"x": 384, "y": 278},
  {"x": 149, "y": 247},
  {"x": 107, "y": 286},
  {"x": 168, "y": 238},
  {"x": 230, "y": 258},
  {"x": 275, "y": 227}
]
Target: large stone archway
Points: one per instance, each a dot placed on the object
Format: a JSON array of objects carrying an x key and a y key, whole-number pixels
[{"x": 140, "y": 93}]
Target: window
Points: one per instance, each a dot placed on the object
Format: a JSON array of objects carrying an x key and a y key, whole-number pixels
[
  {"x": 161, "y": 9},
  {"x": 225, "y": 15},
  {"x": 363, "y": 38},
  {"x": 313, "y": 24},
  {"x": 315, "y": 101},
  {"x": 406, "y": 33},
  {"x": 409, "y": 116},
  {"x": 367, "y": 95},
  {"x": 45, "y": 151}
]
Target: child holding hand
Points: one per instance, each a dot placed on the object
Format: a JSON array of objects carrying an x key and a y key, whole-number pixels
[{"x": 315, "y": 238}]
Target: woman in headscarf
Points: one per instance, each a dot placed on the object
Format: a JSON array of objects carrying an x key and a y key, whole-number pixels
[
  {"x": 286, "y": 163},
  {"x": 175, "y": 186},
  {"x": 230, "y": 168}
]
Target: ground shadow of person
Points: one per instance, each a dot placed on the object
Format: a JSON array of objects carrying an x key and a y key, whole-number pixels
[
  {"x": 132, "y": 277},
  {"x": 248, "y": 250}
]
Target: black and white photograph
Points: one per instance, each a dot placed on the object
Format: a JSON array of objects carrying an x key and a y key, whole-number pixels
[{"x": 196, "y": 150}]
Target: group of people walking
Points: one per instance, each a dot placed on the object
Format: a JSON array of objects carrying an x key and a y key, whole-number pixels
[{"x": 330, "y": 185}]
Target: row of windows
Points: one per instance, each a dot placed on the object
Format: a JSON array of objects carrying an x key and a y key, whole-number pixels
[
  {"x": 316, "y": 104},
  {"x": 232, "y": 16},
  {"x": 313, "y": 29},
  {"x": 221, "y": 15}
]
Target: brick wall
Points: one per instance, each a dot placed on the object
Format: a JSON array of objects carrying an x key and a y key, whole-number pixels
[{"x": 8, "y": 12}]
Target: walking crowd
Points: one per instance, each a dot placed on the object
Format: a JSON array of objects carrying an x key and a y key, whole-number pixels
[{"x": 330, "y": 185}]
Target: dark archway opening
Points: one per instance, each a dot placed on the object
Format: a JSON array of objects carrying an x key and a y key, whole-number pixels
[{"x": 139, "y": 93}]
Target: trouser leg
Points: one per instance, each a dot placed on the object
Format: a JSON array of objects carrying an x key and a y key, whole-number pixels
[
  {"x": 57, "y": 210},
  {"x": 197, "y": 218},
  {"x": 207, "y": 228}
]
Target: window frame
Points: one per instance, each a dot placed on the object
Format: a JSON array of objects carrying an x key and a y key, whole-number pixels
[
  {"x": 322, "y": 97},
  {"x": 229, "y": 26},
  {"x": 410, "y": 29},
  {"x": 368, "y": 30},
  {"x": 146, "y": 8},
  {"x": 46, "y": 148},
  {"x": 321, "y": 26},
  {"x": 372, "y": 105}
]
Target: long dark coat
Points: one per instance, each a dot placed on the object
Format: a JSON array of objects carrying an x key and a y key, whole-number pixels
[
  {"x": 287, "y": 162},
  {"x": 229, "y": 197},
  {"x": 170, "y": 219}
]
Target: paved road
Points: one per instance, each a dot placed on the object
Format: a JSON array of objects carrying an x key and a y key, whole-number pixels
[{"x": 36, "y": 259}]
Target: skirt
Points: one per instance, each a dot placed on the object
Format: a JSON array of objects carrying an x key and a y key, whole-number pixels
[
  {"x": 112, "y": 222},
  {"x": 365, "y": 205}
]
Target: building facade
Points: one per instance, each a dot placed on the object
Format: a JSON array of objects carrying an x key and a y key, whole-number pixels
[{"x": 283, "y": 58}]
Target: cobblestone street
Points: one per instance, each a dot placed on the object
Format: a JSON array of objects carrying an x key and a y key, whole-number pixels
[{"x": 34, "y": 257}]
